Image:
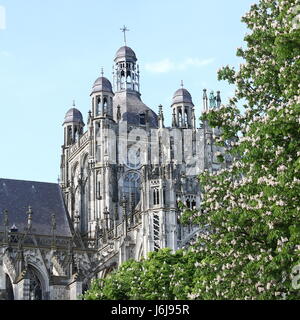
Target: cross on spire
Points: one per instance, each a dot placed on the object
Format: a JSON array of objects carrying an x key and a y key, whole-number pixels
[
  {"x": 73, "y": 103},
  {"x": 102, "y": 72},
  {"x": 181, "y": 83},
  {"x": 124, "y": 29}
]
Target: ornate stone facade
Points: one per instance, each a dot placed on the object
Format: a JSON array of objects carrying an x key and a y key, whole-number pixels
[{"x": 121, "y": 180}]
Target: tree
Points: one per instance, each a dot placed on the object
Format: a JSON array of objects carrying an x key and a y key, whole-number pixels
[
  {"x": 251, "y": 210},
  {"x": 163, "y": 276}
]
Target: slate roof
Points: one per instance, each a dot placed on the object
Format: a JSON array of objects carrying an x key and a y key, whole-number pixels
[
  {"x": 102, "y": 84},
  {"x": 73, "y": 115},
  {"x": 44, "y": 198},
  {"x": 134, "y": 106},
  {"x": 182, "y": 96},
  {"x": 127, "y": 53}
]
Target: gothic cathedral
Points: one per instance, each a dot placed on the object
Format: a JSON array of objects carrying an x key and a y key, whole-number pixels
[{"x": 122, "y": 176}]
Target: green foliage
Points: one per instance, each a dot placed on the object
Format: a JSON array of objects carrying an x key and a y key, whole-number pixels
[
  {"x": 252, "y": 208},
  {"x": 163, "y": 276}
]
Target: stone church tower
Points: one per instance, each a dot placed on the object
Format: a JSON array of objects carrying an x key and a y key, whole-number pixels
[{"x": 122, "y": 176}]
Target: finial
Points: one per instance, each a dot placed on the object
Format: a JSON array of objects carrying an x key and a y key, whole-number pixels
[
  {"x": 102, "y": 72},
  {"x": 124, "y": 29},
  {"x": 73, "y": 103},
  {"x": 29, "y": 218},
  {"x": 53, "y": 221},
  {"x": 118, "y": 113},
  {"x": 29, "y": 210},
  {"x": 5, "y": 220},
  {"x": 181, "y": 83},
  {"x": 218, "y": 99},
  {"x": 161, "y": 116}
]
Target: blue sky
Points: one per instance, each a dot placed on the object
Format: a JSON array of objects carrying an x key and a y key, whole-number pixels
[{"x": 51, "y": 52}]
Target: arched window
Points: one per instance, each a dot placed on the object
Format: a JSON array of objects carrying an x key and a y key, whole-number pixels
[
  {"x": 105, "y": 105},
  {"x": 69, "y": 139},
  {"x": 131, "y": 187},
  {"x": 85, "y": 196},
  {"x": 35, "y": 287},
  {"x": 188, "y": 203},
  {"x": 155, "y": 196},
  {"x": 193, "y": 204},
  {"x": 75, "y": 135},
  {"x": 122, "y": 79},
  {"x": 98, "y": 101},
  {"x": 180, "y": 118},
  {"x": 98, "y": 190},
  {"x": 142, "y": 118},
  {"x": 172, "y": 147},
  {"x": 185, "y": 117},
  {"x": 164, "y": 196}
]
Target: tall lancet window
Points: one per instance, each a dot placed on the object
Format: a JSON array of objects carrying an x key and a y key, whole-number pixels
[
  {"x": 122, "y": 80},
  {"x": 131, "y": 187},
  {"x": 128, "y": 79},
  {"x": 180, "y": 118},
  {"x": 156, "y": 199},
  {"x": 85, "y": 196},
  {"x": 98, "y": 102},
  {"x": 105, "y": 105},
  {"x": 35, "y": 288},
  {"x": 186, "y": 117}
]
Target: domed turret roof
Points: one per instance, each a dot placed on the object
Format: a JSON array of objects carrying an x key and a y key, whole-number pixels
[
  {"x": 182, "y": 95},
  {"x": 102, "y": 84},
  {"x": 73, "y": 115},
  {"x": 125, "y": 52}
]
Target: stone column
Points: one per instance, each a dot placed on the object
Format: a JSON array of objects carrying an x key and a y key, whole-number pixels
[
  {"x": 2, "y": 282},
  {"x": 58, "y": 292},
  {"x": 23, "y": 289},
  {"x": 75, "y": 290}
]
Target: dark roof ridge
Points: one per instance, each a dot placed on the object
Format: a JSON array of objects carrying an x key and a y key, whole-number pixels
[{"x": 28, "y": 181}]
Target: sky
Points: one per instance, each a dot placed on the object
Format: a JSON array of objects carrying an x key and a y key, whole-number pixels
[{"x": 52, "y": 51}]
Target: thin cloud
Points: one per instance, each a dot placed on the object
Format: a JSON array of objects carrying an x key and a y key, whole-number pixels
[
  {"x": 5, "y": 53},
  {"x": 162, "y": 66},
  {"x": 167, "y": 65}
]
